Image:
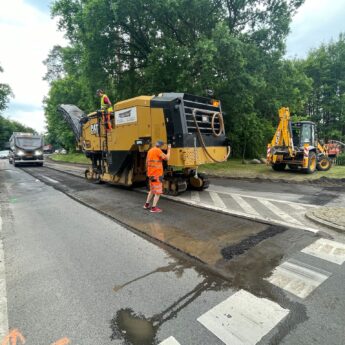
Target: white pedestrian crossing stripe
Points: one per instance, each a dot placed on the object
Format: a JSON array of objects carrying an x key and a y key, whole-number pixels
[
  {"x": 195, "y": 196},
  {"x": 327, "y": 250},
  {"x": 245, "y": 205},
  {"x": 218, "y": 202},
  {"x": 243, "y": 319},
  {"x": 280, "y": 213},
  {"x": 297, "y": 278},
  {"x": 257, "y": 208},
  {"x": 298, "y": 205},
  {"x": 169, "y": 341}
]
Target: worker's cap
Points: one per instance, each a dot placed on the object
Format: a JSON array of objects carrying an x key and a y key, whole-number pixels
[
  {"x": 99, "y": 91},
  {"x": 159, "y": 143}
]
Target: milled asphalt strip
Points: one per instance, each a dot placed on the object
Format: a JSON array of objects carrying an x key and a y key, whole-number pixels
[
  {"x": 3, "y": 298},
  {"x": 77, "y": 172},
  {"x": 50, "y": 179},
  {"x": 196, "y": 203}
]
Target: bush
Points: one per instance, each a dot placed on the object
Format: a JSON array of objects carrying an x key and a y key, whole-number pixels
[{"x": 340, "y": 160}]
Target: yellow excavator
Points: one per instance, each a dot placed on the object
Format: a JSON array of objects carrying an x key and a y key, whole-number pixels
[
  {"x": 117, "y": 142},
  {"x": 295, "y": 144}
]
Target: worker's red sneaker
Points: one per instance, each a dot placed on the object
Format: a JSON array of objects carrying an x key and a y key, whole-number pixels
[
  {"x": 146, "y": 206},
  {"x": 155, "y": 210}
]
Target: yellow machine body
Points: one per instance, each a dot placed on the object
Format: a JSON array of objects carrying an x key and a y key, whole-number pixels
[{"x": 117, "y": 143}]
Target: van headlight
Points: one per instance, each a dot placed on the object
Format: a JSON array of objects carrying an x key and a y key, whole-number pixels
[
  {"x": 38, "y": 153},
  {"x": 20, "y": 153}
]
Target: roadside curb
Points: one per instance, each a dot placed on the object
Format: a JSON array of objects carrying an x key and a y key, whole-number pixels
[
  {"x": 323, "y": 181},
  {"x": 330, "y": 225}
]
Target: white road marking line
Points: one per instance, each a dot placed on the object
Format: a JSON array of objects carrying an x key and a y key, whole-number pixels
[
  {"x": 298, "y": 204},
  {"x": 195, "y": 196},
  {"x": 327, "y": 250},
  {"x": 280, "y": 213},
  {"x": 169, "y": 341},
  {"x": 3, "y": 296},
  {"x": 245, "y": 205},
  {"x": 243, "y": 319},
  {"x": 217, "y": 200},
  {"x": 50, "y": 179},
  {"x": 297, "y": 278}
]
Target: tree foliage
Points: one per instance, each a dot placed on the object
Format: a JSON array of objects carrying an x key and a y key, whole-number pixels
[
  {"x": 7, "y": 127},
  {"x": 326, "y": 104},
  {"x": 5, "y": 94},
  {"x": 151, "y": 46}
]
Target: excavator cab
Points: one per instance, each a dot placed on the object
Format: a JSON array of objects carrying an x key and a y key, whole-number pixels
[{"x": 303, "y": 133}]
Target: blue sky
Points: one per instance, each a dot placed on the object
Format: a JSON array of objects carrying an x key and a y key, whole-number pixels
[
  {"x": 30, "y": 33},
  {"x": 42, "y": 5},
  {"x": 317, "y": 21}
]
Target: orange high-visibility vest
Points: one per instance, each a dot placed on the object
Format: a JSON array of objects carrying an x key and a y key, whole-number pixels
[
  {"x": 154, "y": 162},
  {"x": 105, "y": 106}
]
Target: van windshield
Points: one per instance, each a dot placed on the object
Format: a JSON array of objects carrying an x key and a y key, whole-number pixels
[{"x": 28, "y": 143}]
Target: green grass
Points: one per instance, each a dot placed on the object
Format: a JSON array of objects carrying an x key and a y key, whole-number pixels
[
  {"x": 235, "y": 168},
  {"x": 71, "y": 158}
]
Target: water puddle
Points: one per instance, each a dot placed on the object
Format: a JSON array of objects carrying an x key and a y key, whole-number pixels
[
  {"x": 133, "y": 328},
  {"x": 136, "y": 329}
]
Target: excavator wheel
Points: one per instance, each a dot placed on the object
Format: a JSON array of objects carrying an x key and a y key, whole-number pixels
[
  {"x": 199, "y": 183},
  {"x": 324, "y": 164},
  {"x": 279, "y": 166},
  {"x": 312, "y": 162}
]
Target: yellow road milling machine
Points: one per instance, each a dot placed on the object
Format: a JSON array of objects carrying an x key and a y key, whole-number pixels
[
  {"x": 117, "y": 142},
  {"x": 295, "y": 144}
]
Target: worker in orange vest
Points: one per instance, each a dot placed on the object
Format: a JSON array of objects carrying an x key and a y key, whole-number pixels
[
  {"x": 155, "y": 173},
  {"x": 106, "y": 107},
  {"x": 105, "y": 101}
]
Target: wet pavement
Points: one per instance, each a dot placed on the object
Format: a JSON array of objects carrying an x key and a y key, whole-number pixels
[
  {"x": 282, "y": 204},
  {"x": 202, "y": 234},
  {"x": 74, "y": 272}
]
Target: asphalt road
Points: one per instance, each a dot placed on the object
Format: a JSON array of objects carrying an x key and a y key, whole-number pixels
[{"x": 86, "y": 262}]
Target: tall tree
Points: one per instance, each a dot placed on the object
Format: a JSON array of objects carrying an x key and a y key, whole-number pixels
[
  {"x": 326, "y": 105},
  {"x": 5, "y": 94},
  {"x": 149, "y": 46}
]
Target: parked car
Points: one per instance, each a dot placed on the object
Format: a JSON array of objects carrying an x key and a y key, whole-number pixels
[
  {"x": 60, "y": 151},
  {"x": 4, "y": 154}
]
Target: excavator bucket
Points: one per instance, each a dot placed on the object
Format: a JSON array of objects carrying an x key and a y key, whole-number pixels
[{"x": 72, "y": 115}]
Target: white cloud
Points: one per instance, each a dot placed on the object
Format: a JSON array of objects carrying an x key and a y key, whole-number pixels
[
  {"x": 317, "y": 21},
  {"x": 27, "y": 35}
]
